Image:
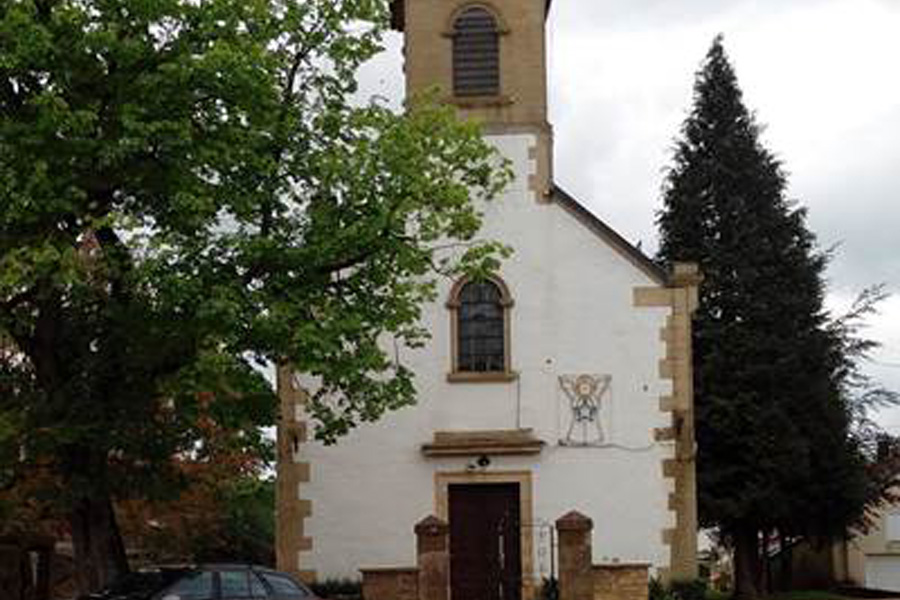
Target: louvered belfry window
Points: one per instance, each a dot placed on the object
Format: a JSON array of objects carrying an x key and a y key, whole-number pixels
[
  {"x": 481, "y": 328},
  {"x": 476, "y": 54}
]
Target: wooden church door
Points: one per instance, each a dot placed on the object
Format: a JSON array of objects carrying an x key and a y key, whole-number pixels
[{"x": 485, "y": 542}]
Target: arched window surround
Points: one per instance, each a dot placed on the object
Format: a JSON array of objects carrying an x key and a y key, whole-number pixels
[
  {"x": 450, "y": 27},
  {"x": 453, "y": 304},
  {"x": 451, "y": 31}
]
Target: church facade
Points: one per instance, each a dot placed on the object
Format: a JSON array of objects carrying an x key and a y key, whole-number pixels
[{"x": 562, "y": 383}]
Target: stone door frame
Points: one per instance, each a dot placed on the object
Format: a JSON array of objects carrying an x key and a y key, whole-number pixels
[{"x": 444, "y": 479}]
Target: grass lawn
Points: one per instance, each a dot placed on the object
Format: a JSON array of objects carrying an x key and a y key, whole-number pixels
[
  {"x": 809, "y": 595},
  {"x": 797, "y": 595}
]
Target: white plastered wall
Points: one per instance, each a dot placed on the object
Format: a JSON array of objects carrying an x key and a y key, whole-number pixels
[{"x": 573, "y": 314}]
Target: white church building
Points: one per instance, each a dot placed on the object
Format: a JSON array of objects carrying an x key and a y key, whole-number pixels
[{"x": 564, "y": 383}]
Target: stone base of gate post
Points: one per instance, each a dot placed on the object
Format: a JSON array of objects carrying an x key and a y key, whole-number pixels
[
  {"x": 621, "y": 581},
  {"x": 433, "y": 551},
  {"x": 576, "y": 580},
  {"x": 392, "y": 583}
]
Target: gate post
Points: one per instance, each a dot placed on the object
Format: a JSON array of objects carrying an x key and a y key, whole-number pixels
[
  {"x": 576, "y": 581},
  {"x": 433, "y": 552}
]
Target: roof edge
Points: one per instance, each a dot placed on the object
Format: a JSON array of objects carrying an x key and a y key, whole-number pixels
[
  {"x": 610, "y": 235},
  {"x": 398, "y": 13}
]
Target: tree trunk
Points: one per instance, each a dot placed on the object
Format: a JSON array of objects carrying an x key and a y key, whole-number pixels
[
  {"x": 787, "y": 563},
  {"x": 98, "y": 548},
  {"x": 746, "y": 563}
]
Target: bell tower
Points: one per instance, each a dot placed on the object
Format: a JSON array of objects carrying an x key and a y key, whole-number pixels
[{"x": 488, "y": 59}]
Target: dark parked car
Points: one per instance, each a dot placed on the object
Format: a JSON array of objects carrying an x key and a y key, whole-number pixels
[{"x": 205, "y": 582}]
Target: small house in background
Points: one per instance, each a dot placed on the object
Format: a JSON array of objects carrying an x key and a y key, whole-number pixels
[
  {"x": 869, "y": 560},
  {"x": 562, "y": 383},
  {"x": 872, "y": 560}
]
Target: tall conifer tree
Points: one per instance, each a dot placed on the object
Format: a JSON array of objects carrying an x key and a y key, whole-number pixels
[{"x": 773, "y": 430}]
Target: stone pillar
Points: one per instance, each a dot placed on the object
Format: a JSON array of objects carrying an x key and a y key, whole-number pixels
[
  {"x": 433, "y": 552},
  {"x": 685, "y": 281},
  {"x": 292, "y": 473},
  {"x": 576, "y": 580}
]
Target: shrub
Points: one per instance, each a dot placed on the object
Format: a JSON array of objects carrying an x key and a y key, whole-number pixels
[
  {"x": 659, "y": 591},
  {"x": 689, "y": 590},
  {"x": 694, "y": 589}
]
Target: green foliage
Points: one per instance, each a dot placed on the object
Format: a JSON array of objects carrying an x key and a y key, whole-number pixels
[
  {"x": 186, "y": 194},
  {"x": 658, "y": 590},
  {"x": 695, "y": 589},
  {"x": 714, "y": 594},
  {"x": 776, "y": 443},
  {"x": 247, "y": 531},
  {"x": 810, "y": 595}
]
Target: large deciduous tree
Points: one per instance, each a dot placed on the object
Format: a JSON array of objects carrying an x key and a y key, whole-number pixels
[
  {"x": 777, "y": 449},
  {"x": 223, "y": 512},
  {"x": 186, "y": 192}
]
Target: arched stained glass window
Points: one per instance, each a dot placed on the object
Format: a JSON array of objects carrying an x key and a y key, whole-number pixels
[
  {"x": 476, "y": 53},
  {"x": 481, "y": 328}
]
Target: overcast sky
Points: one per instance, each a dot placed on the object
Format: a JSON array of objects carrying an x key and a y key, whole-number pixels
[{"x": 823, "y": 76}]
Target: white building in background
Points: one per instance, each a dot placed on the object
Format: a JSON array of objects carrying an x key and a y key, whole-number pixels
[
  {"x": 871, "y": 560},
  {"x": 564, "y": 383}
]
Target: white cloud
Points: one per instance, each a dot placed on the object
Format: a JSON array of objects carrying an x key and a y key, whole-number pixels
[{"x": 821, "y": 74}]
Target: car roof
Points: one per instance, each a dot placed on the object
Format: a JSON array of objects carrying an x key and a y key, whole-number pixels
[
  {"x": 216, "y": 566},
  {"x": 235, "y": 566}
]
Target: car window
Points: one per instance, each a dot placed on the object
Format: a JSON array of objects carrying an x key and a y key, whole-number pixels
[
  {"x": 257, "y": 588},
  {"x": 144, "y": 583},
  {"x": 193, "y": 586},
  {"x": 235, "y": 584},
  {"x": 284, "y": 586}
]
